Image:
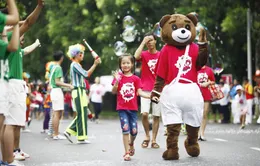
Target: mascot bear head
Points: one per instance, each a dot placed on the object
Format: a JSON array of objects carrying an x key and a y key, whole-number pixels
[{"x": 178, "y": 29}]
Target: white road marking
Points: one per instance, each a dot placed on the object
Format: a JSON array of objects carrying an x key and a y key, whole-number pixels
[
  {"x": 221, "y": 140},
  {"x": 255, "y": 148}
]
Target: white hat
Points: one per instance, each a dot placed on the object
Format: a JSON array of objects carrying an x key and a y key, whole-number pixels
[{"x": 239, "y": 87}]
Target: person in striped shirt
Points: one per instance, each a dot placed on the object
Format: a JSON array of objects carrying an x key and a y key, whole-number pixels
[{"x": 78, "y": 127}]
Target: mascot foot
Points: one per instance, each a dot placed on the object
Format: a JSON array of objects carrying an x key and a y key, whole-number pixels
[
  {"x": 171, "y": 154},
  {"x": 191, "y": 142},
  {"x": 192, "y": 149},
  {"x": 173, "y": 132}
]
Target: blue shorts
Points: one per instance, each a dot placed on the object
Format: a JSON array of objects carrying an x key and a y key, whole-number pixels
[{"x": 128, "y": 120}]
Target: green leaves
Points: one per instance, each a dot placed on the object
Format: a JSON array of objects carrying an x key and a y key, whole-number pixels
[{"x": 67, "y": 22}]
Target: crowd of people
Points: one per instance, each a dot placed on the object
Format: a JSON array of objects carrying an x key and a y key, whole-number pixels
[
  {"x": 237, "y": 96},
  {"x": 13, "y": 88},
  {"x": 21, "y": 101}
]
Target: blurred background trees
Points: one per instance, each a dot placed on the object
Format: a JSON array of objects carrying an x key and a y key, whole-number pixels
[{"x": 100, "y": 22}]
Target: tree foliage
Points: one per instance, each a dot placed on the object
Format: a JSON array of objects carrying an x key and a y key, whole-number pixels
[{"x": 67, "y": 22}]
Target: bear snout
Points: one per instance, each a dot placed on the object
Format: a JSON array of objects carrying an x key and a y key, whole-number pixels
[{"x": 183, "y": 31}]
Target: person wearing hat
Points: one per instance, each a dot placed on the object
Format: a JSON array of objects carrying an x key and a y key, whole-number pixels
[
  {"x": 257, "y": 94},
  {"x": 241, "y": 104},
  {"x": 78, "y": 127}
]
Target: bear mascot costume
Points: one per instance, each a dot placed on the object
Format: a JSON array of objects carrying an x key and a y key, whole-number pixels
[{"x": 176, "y": 87}]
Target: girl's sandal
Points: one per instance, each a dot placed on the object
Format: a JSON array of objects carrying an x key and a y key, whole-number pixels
[
  {"x": 127, "y": 157},
  {"x": 131, "y": 151}
]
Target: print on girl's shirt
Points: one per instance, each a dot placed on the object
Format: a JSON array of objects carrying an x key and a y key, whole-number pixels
[
  {"x": 127, "y": 91},
  {"x": 202, "y": 77},
  {"x": 151, "y": 64},
  {"x": 98, "y": 92},
  {"x": 187, "y": 65}
]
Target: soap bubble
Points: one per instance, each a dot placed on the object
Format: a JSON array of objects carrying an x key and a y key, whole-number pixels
[
  {"x": 120, "y": 48},
  {"x": 129, "y": 35},
  {"x": 157, "y": 30},
  {"x": 198, "y": 27},
  {"x": 217, "y": 65},
  {"x": 129, "y": 22}
]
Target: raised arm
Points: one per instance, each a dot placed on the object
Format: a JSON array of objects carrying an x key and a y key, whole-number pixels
[
  {"x": 141, "y": 47},
  {"x": 93, "y": 67},
  {"x": 32, "y": 47},
  {"x": 203, "y": 50},
  {"x": 14, "y": 43},
  {"x": 13, "y": 17},
  {"x": 78, "y": 69},
  {"x": 32, "y": 18}
]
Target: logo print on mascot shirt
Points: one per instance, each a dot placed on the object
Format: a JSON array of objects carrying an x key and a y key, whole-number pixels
[
  {"x": 127, "y": 91},
  {"x": 202, "y": 77},
  {"x": 151, "y": 64},
  {"x": 187, "y": 64}
]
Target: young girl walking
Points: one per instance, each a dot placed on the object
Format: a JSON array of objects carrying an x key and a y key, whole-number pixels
[
  {"x": 240, "y": 99},
  {"x": 128, "y": 86}
]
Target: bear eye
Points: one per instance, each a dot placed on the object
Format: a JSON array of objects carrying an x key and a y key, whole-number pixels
[
  {"x": 174, "y": 27},
  {"x": 187, "y": 26}
]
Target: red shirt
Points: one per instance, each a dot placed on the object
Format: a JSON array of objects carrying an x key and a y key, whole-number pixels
[
  {"x": 38, "y": 97},
  {"x": 169, "y": 63},
  {"x": 87, "y": 84},
  {"x": 127, "y": 92},
  {"x": 204, "y": 75},
  {"x": 148, "y": 75},
  {"x": 67, "y": 98}
]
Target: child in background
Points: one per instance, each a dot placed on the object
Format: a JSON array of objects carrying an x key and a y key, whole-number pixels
[
  {"x": 128, "y": 86},
  {"x": 240, "y": 100},
  {"x": 47, "y": 111}
]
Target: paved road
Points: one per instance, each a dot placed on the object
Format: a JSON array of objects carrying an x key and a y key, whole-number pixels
[{"x": 226, "y": 145}]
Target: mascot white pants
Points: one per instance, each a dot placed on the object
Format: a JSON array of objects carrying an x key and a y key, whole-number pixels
[{"x": 182, "y": 103}]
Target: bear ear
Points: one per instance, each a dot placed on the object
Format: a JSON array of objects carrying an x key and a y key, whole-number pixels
[
  {"x": 164, "y": 19},
  {"x": 193, "y": 17}
]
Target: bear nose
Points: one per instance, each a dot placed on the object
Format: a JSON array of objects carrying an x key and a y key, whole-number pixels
[{"x": 183, "y": 31}]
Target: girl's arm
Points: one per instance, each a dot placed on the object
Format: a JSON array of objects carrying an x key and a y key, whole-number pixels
[
  {"x": 115, "y": 86},
  {"x": 60, "y": 83},
  {"x": 143, "y": 94}
]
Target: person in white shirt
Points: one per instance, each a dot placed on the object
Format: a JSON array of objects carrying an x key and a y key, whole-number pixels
[
  {"x": 97, "y": 91},
  {"x": 224, "y": 102}
]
